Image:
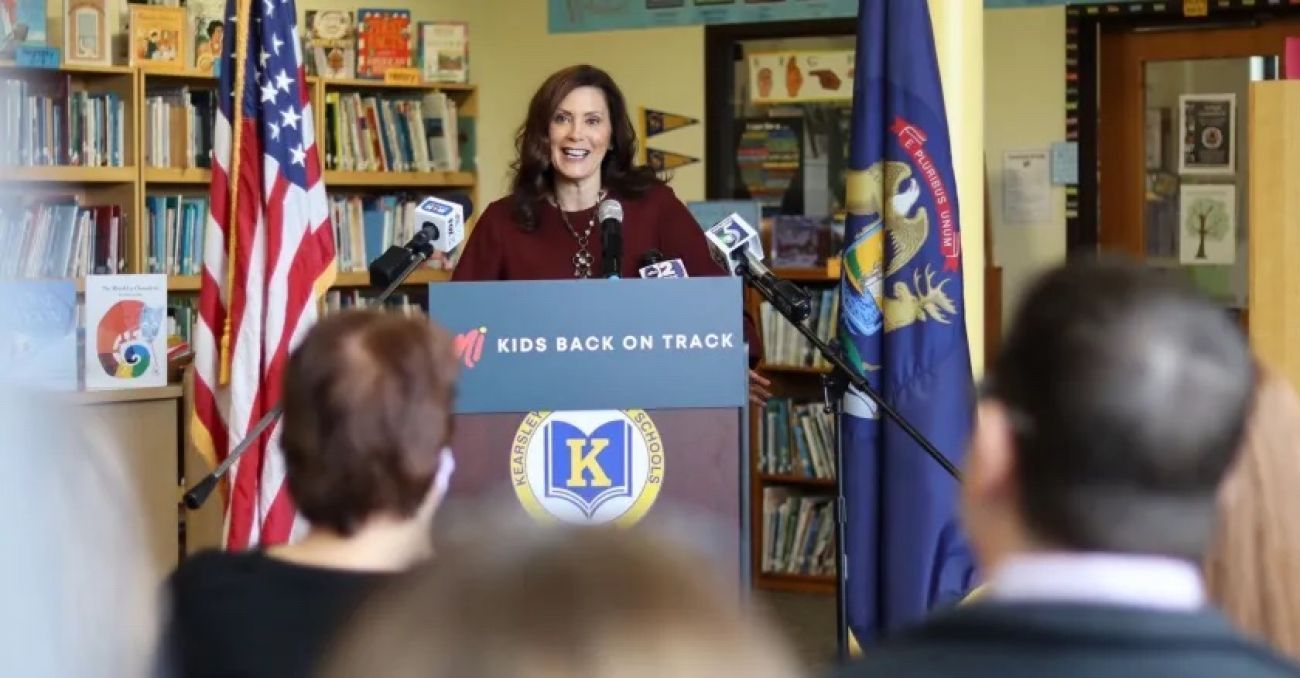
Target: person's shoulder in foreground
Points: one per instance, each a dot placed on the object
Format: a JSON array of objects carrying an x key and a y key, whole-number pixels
[{"x": 1010, "y": 640}]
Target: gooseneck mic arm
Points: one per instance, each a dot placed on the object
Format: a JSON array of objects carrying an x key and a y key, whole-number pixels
[{"x": 796, "y": 315}]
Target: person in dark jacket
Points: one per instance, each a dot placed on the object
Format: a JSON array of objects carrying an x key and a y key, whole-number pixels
[{"x": 1110, "y": 416}]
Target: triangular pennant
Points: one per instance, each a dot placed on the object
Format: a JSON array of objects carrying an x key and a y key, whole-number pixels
[
  {"x": 658, "y": 122},
  {"x": 661, "y": 161}
]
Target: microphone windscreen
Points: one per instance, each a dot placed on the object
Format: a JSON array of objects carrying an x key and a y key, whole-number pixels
[{"x": 609, "y": 209}]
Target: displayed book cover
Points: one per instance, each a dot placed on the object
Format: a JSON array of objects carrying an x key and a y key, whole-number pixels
[
  {"x": 38, "y": 334},
  {"x": 800, "y": 241},
  {"x": 87, "y": 31},
  {"x": 126, "y": 331},
  {"x": 444, "y": 51},
  {"x": 22, "y": 22},
  {"x": 332, "y": 43},
  {"x": 383, "y": 41},
  {"x": 207, "y": 32},
  {"x": 157, "y": 37}
]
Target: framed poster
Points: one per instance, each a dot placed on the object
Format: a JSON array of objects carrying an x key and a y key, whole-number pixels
[
  {"x": 1207, "y": 217},
  {"x": 1207, "y": 125}
]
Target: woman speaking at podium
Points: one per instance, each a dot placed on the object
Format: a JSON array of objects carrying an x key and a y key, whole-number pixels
[{"x": 575, "y": 149}]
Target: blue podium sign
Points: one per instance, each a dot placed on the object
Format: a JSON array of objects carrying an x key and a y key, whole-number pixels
[{"x": 607, "y": 344}]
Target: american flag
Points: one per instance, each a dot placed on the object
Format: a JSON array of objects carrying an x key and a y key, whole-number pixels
[{"x": 264, "y": 266}]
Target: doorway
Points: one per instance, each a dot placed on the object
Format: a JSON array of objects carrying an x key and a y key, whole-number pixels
[{"x": 1171, "y": 144}]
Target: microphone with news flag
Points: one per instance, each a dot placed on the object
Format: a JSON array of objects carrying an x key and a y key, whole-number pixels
[
  {"x": 737, "y": 247},
  {"x": 653, "y": 265}
]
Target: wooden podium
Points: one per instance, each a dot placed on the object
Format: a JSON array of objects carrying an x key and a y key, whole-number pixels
[
  {"x": 1274, "y": 264},
  {"x": 602, "y": 402}
]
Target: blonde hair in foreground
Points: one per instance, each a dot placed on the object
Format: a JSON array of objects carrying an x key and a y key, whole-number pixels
[
  {"x": 551, "y": 603},
  {"x": 1253, "y": 568}
]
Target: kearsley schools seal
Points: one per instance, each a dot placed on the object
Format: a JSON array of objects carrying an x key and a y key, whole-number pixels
[{"x": 588, "y": 467}]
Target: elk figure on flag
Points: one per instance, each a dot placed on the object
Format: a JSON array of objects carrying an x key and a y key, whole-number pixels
[
  {"x": 902, "y": 324},
  {"x": 268, "y": 256}
]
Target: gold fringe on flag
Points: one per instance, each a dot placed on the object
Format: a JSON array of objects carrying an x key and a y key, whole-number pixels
[{"x": 236, "y": 128}]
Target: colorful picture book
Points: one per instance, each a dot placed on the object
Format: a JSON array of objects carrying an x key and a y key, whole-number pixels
[
  {"x": 38, "y": 335},
  {"x": 207, "y": 34},
  {"x": 126, "y": 331},
  {"x": 383, "y": 41},
  {"x": 332, "y": 44},
  {"x": 88, "y": 27},
  {"x": 157, "y": 37},
  {"x": 444, "y": 51}
]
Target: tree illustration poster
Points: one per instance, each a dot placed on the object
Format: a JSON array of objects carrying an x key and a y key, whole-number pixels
[{"x": 1207, "y": 232}]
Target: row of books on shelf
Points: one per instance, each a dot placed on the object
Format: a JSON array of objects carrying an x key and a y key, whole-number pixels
[
  {"x": 394, "y": 134},
  {"x": 173, "y": 242},
  {"x": 366, "y": 226},
  {"x": 182, "y": 312},
  {"x": 179, "y": 124},
  {"x": 782, "y": 342},
  {"x": 61, "y": 239},
  {"x": 338, "y": 300},
  {"x": 798, "y": 440},
  {"x": 798, "y": 533},
  {"x": 43, "y": 124}
]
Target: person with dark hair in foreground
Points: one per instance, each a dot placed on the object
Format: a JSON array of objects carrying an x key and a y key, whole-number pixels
[
  {"x": 367, "y": 420},
  {"x": 1111, "y": 414},
  {"x": 576, "y": 148}
]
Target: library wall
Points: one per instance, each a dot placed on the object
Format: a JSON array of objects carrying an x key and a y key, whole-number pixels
[
  {"x": 1024, "y": 99},
  {"x": 511, "y": 52}
]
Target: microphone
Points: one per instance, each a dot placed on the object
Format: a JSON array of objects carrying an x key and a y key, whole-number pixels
[
  {"x": 653, "y": 265},
  {"x": 736, "y": 246},
  {"x": 610, "y": 215},
  {"x": 442, "y": 229}
]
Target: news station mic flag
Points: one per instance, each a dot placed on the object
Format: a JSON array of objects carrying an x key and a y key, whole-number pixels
[
  {"x": 902, "y": 323},
  {"x": 268, "y": 255}
]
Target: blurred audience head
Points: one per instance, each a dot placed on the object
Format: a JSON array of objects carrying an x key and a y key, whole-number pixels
[
  {"x": 1253, "y": 567},
  {"x": 367, "y": 420},
  {"x": 77, "y": 578},
  {"x": 1109, "y": 418},
  {"x": 532, "y": 602}
]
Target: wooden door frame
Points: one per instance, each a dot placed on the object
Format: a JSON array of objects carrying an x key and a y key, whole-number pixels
[
  {"x": 1084, "y": 27},
  {"x": 1124, "y": 52}
]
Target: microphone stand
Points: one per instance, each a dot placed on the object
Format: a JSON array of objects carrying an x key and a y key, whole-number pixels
[
  {"x": 408, "y": 258},
  {"x": 834, "y": 386}
]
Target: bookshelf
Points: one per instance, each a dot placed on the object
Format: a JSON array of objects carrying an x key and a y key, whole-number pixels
[
  {"x": 132, "y": 181},
  {"x": 800, "y": 384}
]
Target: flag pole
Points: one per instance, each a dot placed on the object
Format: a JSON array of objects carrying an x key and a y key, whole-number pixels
[{"x": 237, "y": 111}]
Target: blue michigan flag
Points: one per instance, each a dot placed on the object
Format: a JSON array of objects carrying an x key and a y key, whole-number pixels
[{"x": 903, "y": 324}]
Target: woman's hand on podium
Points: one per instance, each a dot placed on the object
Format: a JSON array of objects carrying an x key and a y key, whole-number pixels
[{"x": 758, "y": 393}]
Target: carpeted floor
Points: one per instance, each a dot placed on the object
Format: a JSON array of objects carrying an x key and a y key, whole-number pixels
[{"x": 809, "y": 622}]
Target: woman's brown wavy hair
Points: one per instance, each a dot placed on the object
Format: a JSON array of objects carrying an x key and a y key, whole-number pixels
[
  {"x": 533, "y": 176},
  {"x": 1253, "y": 568}
]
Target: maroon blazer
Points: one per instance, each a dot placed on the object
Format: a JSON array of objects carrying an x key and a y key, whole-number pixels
[{"x": 499, "y": 249}]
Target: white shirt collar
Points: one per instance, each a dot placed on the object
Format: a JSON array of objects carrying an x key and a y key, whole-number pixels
[{"x": 1099, "y": 578}]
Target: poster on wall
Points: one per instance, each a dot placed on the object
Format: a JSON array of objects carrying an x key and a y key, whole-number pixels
[
  {"x": 573, "y": 16},
  {"x": 1207, "y": 125},
  {"x": 800, "y": 77},
  {"x": 1207, "y": 214},
  {"x": 769, "y": 162}
]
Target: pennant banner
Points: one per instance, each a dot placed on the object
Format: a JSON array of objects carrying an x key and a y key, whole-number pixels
[
  {"x": 667, "y": 160},
  {"x": 657, "y": 122}
]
